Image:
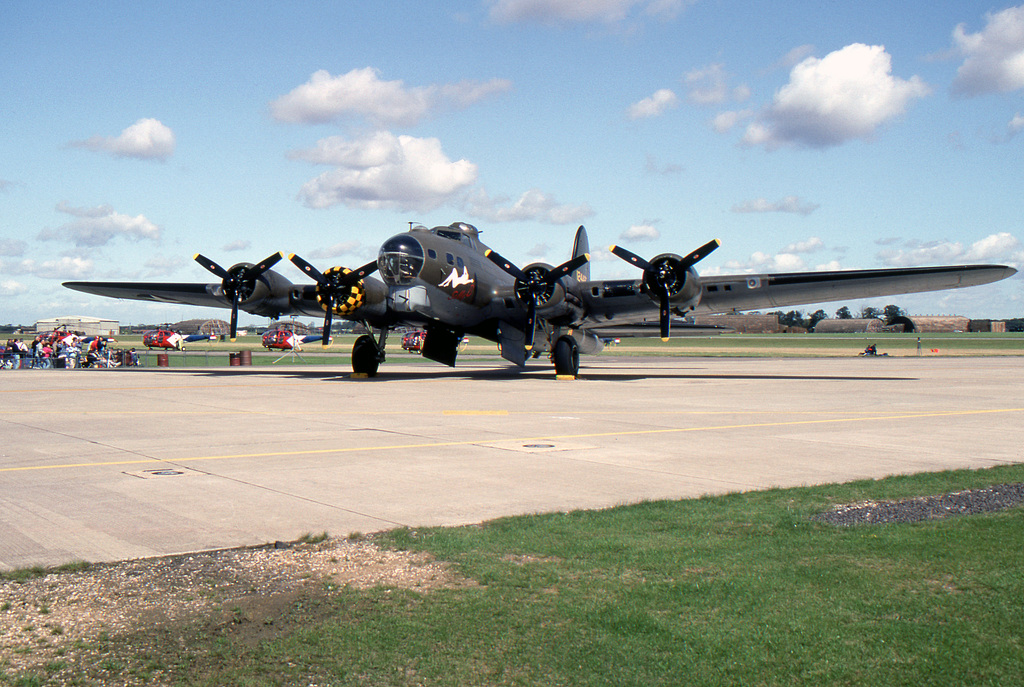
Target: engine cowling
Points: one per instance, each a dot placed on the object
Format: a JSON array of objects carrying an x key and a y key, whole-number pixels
[
  {"x": 555, "y": 302},
  {"x": 668, "y": 271}
]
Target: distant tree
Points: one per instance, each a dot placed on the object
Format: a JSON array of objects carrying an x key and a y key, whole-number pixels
[
  {"x": 1015, "y": 325},
  {"x": 794, "y": 318},
  {"x": 892, "y": 312},
  {"x": 867, "y": 313},
  {"x": 815, "y": 318},
  {"x": 844, "y": 313}
]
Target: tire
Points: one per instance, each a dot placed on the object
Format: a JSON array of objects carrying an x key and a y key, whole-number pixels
[
  {"x": 364, "y": 356},
  {"x": 566, "y": 356}
]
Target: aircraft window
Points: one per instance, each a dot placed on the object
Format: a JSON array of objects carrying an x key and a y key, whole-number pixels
[
  {"x": 458, "y": 261},
  {"x": 431, "y": 253},
  {"x": 451, "y": 259},
  {"x": 712, "y": 288},
  {"x": 400, "y": 259},
  {"x": 448, "y": 234}
]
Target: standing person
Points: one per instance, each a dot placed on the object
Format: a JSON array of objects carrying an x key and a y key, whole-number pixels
[{"x": 46, "y": 353}]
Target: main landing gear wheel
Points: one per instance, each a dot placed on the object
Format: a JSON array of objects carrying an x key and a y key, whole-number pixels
[
  {"x": 364, "y": 356},
  {"x": 566, "y": 357}
]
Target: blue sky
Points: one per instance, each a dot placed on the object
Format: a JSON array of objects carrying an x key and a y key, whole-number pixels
[{"x": 804, "y": 135}]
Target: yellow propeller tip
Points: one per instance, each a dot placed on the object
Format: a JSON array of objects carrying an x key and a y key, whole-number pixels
[
  {"x": 196, "y": 256},
  {"x": 587, "y": 256},
  {"x": 612, "y": 248},
  {"x": 487, "y": 253},
  {"x": 291, "y": 256},
  {"x": 665, "y": 339}
]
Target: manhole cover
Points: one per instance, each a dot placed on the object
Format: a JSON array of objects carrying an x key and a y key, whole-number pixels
[
  {"x": 165, "y": 473},
  {"x": 538, "y": 445}
]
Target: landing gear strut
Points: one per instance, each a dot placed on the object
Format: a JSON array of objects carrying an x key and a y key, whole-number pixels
[{"x": 566, "y": 357}]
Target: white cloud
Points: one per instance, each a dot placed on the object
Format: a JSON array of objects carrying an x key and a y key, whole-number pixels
[
  {"x": 240, "y": 244},
  {"x": 9, "y": 287},
  {"x": 654, "y": 105},
  {"x": 994, "y": 57},
  {"x": 67, "y": 267},
  {"x": 555, "y": 12},
  {"x": 99, "y": 225},
  {"x": 1002, "y": 246},
  {"x": 641, "y": 232},
  {"x": 533, "y": 205},
  {"x": 377, "y": 149},
  {"x": 361, "y": 93},
  {"x": 846, "y": 95},
  {"x": 1015, "y": 125},
  {"x": 162, "y": 267},
  {"x": 708, "y": 86},
  {"x": 811, "y": 245},
  {"x": 414, "y": 175},
  {"x": 146, "y": 139},
  {"x": 337, "y": 250},
  {"x": 790, "y": 204},
  {"x": 766, "y": 262},
  {"x": 727, "y": 121}
]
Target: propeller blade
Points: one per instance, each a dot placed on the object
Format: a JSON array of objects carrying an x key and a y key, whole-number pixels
[
  {"x": 314, "y": 274},
  {"x": 211, "y": 266},
  {"x": 259, "y": 269},
  {"x": 531, "y": 322},
  {"x": 355, "y": 275},
  {"x": 566, "y": 268},
  {"x": 665, "y": 314},
  {"x": 328, "y": 315},
  {"x": 505, "y": 265},
  {"x": 629, "y": 257},
  {"x": 701, "y": 253},
  {"x": 234, "y": 315}
]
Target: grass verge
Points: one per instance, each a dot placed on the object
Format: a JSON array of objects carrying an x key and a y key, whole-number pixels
[{"x": 742, "y": 589}]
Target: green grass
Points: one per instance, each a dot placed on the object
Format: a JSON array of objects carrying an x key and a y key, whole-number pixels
[{"x": 744, "y": 589}]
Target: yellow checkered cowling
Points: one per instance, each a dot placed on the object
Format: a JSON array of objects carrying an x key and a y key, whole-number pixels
[{"x": 344, "y": 304}]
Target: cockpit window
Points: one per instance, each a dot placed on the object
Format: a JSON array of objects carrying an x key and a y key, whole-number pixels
[
  {"x": 400, "y": 259},
  {"x": 453, "y": 235}
]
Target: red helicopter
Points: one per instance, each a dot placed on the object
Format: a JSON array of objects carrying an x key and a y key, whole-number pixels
[{"x": 286, "y": 340}]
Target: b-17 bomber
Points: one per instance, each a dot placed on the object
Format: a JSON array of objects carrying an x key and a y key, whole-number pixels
[{"x": 446, "y": 281}]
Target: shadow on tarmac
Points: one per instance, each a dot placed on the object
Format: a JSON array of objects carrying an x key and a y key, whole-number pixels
[{"x": 595, "y": 374}]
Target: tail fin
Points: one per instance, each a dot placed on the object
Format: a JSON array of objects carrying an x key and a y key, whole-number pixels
[{"x": 581, "y": 247}]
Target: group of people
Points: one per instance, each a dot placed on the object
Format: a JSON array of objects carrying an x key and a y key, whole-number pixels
[{"x": 64, "y": 349}]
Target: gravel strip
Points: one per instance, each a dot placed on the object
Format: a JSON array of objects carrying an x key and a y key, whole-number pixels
[
  {"x": 43, "y": 619},
  {"x": 968, "y": 502}
]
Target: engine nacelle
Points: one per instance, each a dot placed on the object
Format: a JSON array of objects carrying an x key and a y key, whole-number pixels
[
  {"x": 667, "y": 271},
  {"x": 555, "y": 302},
  {"x": 266, "y": 294}
]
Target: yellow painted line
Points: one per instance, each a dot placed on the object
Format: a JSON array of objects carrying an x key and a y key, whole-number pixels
[
  {"x": 550, "y": 437},
  {"x": 474, "y": 412}
]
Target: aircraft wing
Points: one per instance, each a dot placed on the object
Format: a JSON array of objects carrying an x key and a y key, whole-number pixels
[
  {"x": 760, "y": 291},
  {"x": 208, "y": 295}
]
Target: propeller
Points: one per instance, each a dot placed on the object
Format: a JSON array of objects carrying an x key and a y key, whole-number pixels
[
  {"x": 237, "y": 280},
  {"x": 329, "y": 284},
  {"x": 535, "y": 284},
  {"x": 666, "y": 275}
]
